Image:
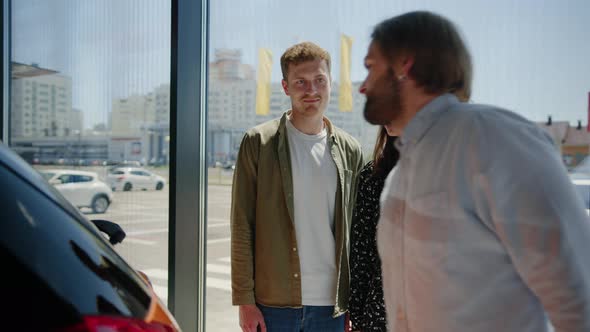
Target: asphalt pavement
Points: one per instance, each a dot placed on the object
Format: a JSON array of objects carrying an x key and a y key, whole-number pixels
[{"x": 144, "y": 217}]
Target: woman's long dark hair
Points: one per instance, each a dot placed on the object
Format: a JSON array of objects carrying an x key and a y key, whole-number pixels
[{"x": 385, "y": 155}]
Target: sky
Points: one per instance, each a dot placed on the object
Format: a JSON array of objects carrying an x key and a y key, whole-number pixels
[{"x": 530, "y": 56}]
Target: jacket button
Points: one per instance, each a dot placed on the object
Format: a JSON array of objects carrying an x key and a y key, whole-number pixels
[
  {"x": 294, "y": 249},
  {"x": 296, "y": 275}
]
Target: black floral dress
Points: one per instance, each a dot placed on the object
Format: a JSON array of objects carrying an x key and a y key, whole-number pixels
[{"x": 366, "y": 306}]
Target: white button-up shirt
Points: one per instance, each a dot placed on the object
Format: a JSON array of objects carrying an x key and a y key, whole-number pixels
[{"x": 481, "y": 228}]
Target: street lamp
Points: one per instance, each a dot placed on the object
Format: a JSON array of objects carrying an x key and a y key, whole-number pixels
[{"x": 78, "y": 146}]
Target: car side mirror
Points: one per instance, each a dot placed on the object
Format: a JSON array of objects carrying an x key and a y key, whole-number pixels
[{"x": 113, "y": 230}]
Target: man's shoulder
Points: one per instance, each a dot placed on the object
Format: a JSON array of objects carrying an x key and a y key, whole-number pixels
[
  {"x": 264, "y": 130},
  {"x": 494, "y": 121},
  {"x": 486, "y": 113},
  {"x": 345, "y": 138}
]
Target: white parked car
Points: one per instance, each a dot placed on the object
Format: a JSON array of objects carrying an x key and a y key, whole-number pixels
[
  {"x": 132, "y": 178},
  {"x": 82, "y": 189}
]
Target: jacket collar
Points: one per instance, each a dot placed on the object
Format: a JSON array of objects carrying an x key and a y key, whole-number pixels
[
  {"x": 283, "y": 126},
  {"x": 424, "y": 120}
]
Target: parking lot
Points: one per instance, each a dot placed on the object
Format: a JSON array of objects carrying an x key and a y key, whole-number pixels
[{"x": 144, "y": 217}]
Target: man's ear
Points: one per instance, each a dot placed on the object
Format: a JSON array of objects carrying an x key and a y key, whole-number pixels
[
  {"x": 285, "y": 87},
  {"x": 404, "y": 65}
]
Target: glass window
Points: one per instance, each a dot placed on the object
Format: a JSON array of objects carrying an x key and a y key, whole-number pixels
[
  {"x": 82, "y": 178},
  {"x": 47, "y": 175},
  {"x": 66, "y": 178},
  {"x": 91, "y": 70},
  {"x": 514, "y": 68},
  {"x": 99, "y": 282}
]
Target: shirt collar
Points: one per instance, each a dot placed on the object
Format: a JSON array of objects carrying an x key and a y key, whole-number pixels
[
  {"x": 424, "y": 120},
  {"x": 329, "y": 126}
]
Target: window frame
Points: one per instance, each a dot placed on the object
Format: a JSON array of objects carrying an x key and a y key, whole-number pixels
[
  {"x": 5, "y": 72},
  {"x": 188, "y": 189},
  {"x": 188, "y": 98}
]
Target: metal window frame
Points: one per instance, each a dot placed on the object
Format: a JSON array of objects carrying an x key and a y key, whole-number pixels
[
  {"x": 188, "y": 189},
  {"x": 5, "y": 72},
  {"x": 188, "y": 130}
]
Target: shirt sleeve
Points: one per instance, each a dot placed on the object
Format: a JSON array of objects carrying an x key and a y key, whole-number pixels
[
  {"x": 522, "y": 192},
  {"x": 242, "y": 221}
]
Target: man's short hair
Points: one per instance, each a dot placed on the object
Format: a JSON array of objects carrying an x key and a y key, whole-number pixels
[
  {"x": 303, "y": 52},
  {"x": 441, "y": 61}
]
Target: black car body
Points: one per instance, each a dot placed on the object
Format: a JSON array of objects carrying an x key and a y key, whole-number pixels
[{"x": 64, "y": 275}]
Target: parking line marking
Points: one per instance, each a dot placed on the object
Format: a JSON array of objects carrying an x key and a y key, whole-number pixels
[
  {"x": 217, "y": 268},
  {"x": 165, "y": 230},
  {"x": 149, "y": 231},
  {"x": 217, "y": 219},
  {"x": 225, "y": 239},
  {"x": 162, "y": 274},
  {"x": 162, "y": 291},
  {"x": 156, "y": 273},
  {"x": 218, "y": 225},
  {"x": 138, "y": 241},
  {"x": 217, "y": 283}
]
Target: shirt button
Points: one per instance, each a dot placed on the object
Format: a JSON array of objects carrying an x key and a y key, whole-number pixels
[{"x": 296, "y": 275}]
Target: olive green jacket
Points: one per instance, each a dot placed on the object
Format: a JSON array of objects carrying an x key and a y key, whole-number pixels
[{"x": 264, "y": 257}]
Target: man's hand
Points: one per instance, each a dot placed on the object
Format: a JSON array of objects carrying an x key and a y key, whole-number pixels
[{"x": 251, "y": 318}]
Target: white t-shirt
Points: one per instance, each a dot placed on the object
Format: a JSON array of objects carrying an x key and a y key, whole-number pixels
[{"x": 314, "y": 191}]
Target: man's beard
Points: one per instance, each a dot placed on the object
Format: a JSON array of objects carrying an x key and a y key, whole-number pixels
[{"x": 384, "y": 106}]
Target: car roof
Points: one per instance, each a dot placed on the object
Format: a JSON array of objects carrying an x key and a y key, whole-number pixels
[
  {"x": 17, "y": 165},
  {"x": 126, "y": 168},
  {"x": 69, "y": 171}
]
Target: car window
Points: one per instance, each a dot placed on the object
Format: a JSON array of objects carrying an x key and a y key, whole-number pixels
[
  {"x": 82, "y": 178},
  {"x": 60, "y": 262},
  {"x": 66, "y": 178},
  {"x": 47, "y": 175},
  {"x": 117, "y": 172},
  {"x": 140, "y": 173}
]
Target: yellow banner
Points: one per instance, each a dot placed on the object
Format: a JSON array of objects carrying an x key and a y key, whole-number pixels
[
  {"x": 345, "y": 93},
  {"x": 263, "y": 81}
]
